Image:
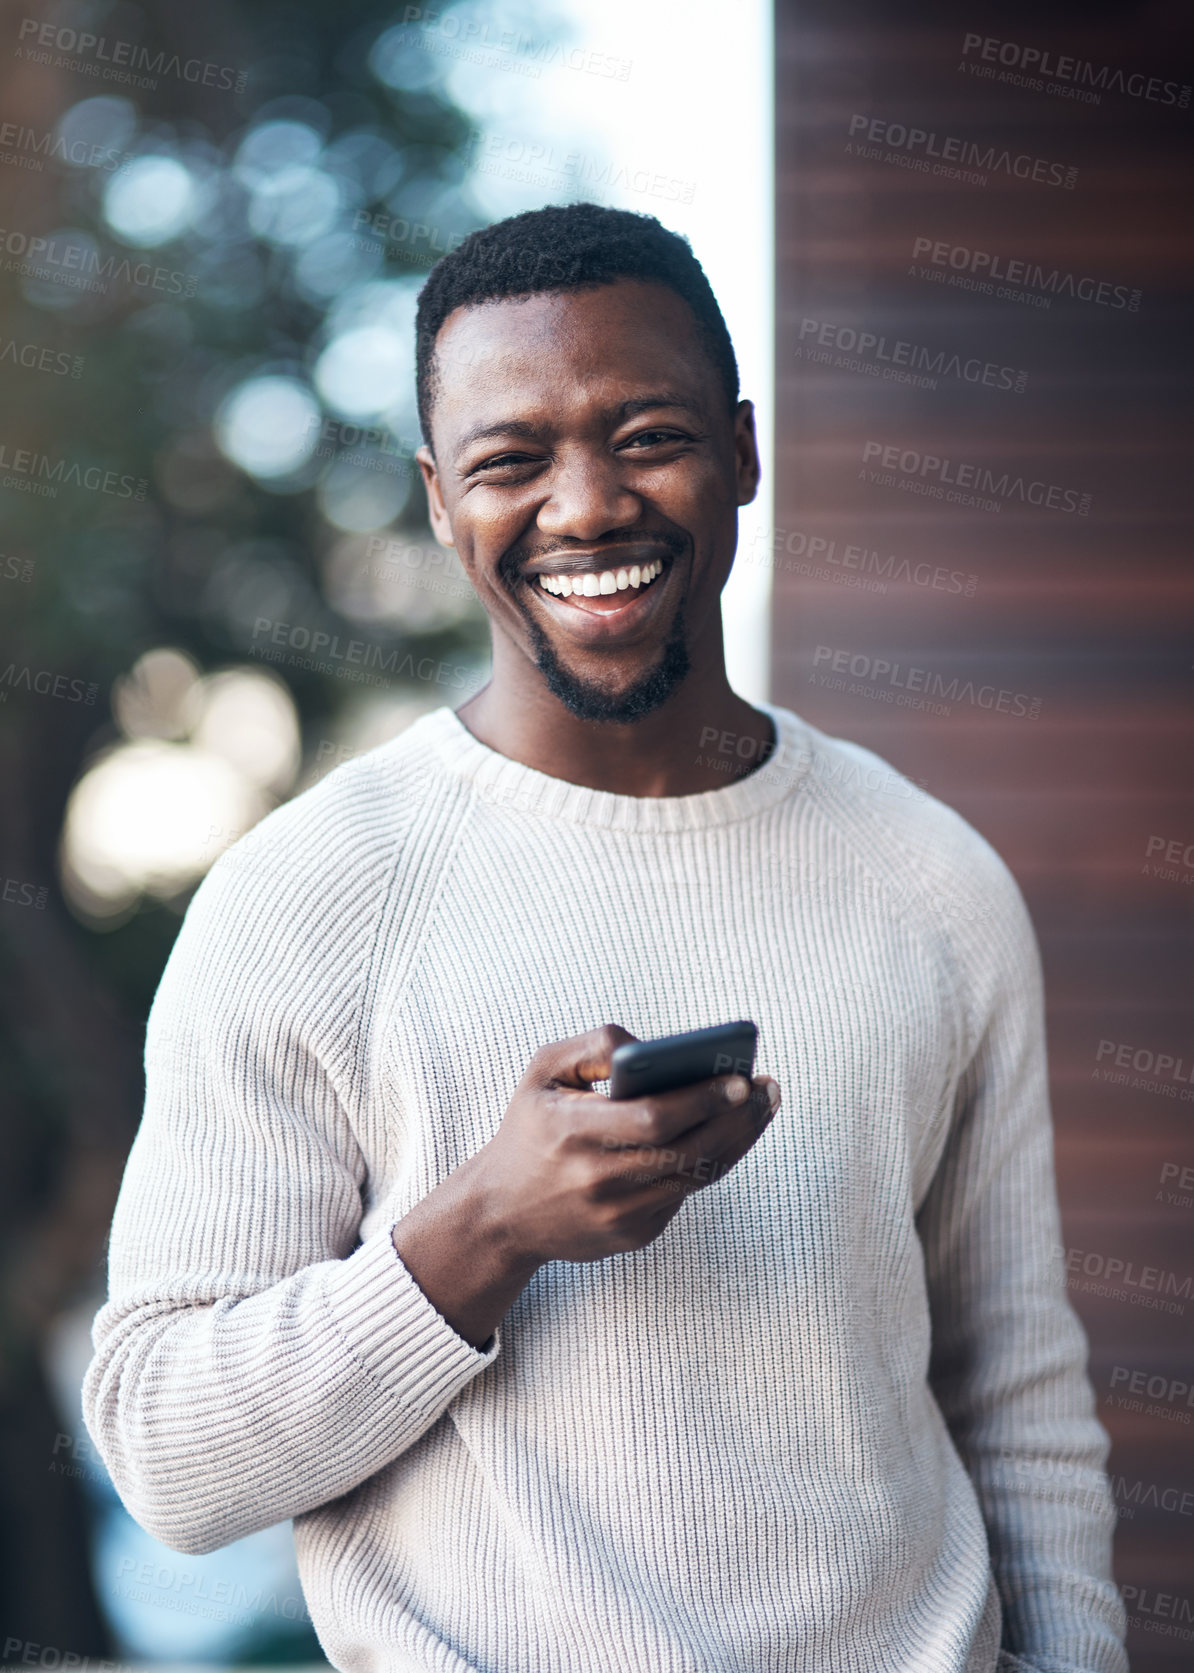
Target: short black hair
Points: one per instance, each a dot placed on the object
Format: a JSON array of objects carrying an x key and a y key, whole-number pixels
[{"x": 570, "y": 246}]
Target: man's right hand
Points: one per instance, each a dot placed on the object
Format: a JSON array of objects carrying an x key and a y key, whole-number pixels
[{"x": 572, "y": 1175}]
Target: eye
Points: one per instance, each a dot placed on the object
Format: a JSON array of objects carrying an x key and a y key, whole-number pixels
[
  {"x": 656, "y": 438},
  {"x": 501, "y": 460}
]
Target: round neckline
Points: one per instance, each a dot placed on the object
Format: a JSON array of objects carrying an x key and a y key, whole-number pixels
[{"x": 500, "y": 779}]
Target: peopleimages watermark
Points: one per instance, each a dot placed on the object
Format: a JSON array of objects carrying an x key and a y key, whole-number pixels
[
  {"x": 728, "y": 751},
  {"x": 39, "y": 357},
  {"x": 479, "y": 41},
  {"x": 60, "y": 47},
  {"x": 350, "y": 659},
  {"x": 1152, "y": 1071},
  {"x": 30, "y": 472},
  {"x": 539, "y": 163},
  {"x": 369, "y": 447},
  {"x": 646, "y": 1162},
  {"x": 1073, "y": 1486},
  {"x": 1157, "y": 1612},
  {"x": 43, "y": 681},
  {"x": 426, "y": 241},
  {"x": 926, "y": 152},
  {"x": 191, "y": 1593},
  {"x": 80, "y": 265},
  {"x": 1064, "y": 76},
  {"x": 858, "y": 350},
  {"x": 1183, "y": 1197},
  {"x": 13, "y": 568},
  {"x": 26, "y": 1652},
  {"x": 1165, "y": 1394},
  {"x": 419, "y": 566},
  {"x": 15, "y": 893},
  {"x": 807, "y": 554},
  {"x": 913, "y": 688},
  {"x": 29, "y": 148},
  {"x": 81, "y": 1462},
  {"x": 1014, "y": 278},
  {"x": 1177, "y": 859},
  {"x": 951, "y": 481},
  {"x": 1123, "y": 1279}
]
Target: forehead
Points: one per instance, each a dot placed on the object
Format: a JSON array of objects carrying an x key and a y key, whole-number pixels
[{"x": 555, "y": 350}]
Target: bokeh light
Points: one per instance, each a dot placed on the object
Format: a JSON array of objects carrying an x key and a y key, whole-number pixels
[
  {"x": 270, "y": 147},
  {"x": 152, "y": 700},
  {"x": 246, "y": 716},
  {"x": 295, "y": 205},
  {"x": 363, "y": 491},
  {"x": 96, "y": 131},
  {"x": 366, "y": 371},
  {"x": 401, "y": 61},
  {"x": 150, "y": 200},
  {"x": 149, "y": 819},
  {"x": 268, "y": 426},
  {"x": 204, "y": 758}
]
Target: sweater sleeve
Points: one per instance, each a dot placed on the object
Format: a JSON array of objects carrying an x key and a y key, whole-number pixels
[
  {"x": 1009, "y": 1356},
  {"x": 254, "y": 1359}
]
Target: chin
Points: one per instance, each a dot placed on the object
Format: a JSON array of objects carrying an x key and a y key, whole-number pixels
[{"x": 645, "y": 693}]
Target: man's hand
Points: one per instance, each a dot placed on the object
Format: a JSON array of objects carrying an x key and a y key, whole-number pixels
[{"x": 571, "y": 1175}]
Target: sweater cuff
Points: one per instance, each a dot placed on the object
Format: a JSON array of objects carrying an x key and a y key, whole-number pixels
[{"x": 394, "y": 1331}]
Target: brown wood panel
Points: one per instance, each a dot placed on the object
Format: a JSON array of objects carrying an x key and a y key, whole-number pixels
[{"x": 1045, "y": 555}]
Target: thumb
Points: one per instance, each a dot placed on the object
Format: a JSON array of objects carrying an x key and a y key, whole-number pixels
[{"x": 584, "y": 1058}]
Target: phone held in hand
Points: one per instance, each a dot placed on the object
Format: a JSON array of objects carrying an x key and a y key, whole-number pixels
[{"x": 644, "y": 1066}]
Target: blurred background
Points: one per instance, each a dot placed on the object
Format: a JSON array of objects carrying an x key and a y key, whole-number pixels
[
  {"x": 217, "y": 581},
  {"x": 982, "y": 571},
  {"x": 953, "y": 252}
]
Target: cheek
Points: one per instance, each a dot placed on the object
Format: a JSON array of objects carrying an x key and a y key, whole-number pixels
[
  {"x": 483, "y": 536},
  {"x": 486, "y": 531}
]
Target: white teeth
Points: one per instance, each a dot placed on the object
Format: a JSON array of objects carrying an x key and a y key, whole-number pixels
[{"x": 603, "y": 581}]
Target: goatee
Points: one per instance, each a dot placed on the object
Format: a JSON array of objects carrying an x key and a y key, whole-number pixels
[{"x": 588, "y": 701}]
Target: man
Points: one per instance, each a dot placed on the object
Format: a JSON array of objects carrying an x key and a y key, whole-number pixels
[{"x": 703, "y": 1381}]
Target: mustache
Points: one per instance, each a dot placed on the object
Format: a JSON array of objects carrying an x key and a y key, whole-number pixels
[{"x": 514, "y": 559}]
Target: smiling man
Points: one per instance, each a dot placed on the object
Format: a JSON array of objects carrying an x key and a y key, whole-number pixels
[{"x": 715, "y": 1380}]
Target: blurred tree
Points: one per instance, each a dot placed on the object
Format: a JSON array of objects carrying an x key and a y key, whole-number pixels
[{"x": 207, "y": 423}]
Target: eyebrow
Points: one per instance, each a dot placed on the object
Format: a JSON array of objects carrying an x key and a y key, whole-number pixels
[{"x": 619, "y": 414}]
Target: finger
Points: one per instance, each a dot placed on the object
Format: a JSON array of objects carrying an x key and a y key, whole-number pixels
[
  {"x": 703, "y": 1153},
  {"x": 664, "y": 1117},
  {"x": 632, "y": 1123},
  {"x": 579, "y": 1061}
]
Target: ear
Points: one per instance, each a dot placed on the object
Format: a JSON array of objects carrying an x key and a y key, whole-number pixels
[
  {"x": 746, "y": 452},
  {"x": 437, "y": 512}
]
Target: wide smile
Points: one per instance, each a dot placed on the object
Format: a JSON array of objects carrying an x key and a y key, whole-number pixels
[{"x": 599, "y": 604}]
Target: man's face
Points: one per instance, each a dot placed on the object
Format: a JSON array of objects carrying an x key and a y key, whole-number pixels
[{"x": 581, "y": 435}]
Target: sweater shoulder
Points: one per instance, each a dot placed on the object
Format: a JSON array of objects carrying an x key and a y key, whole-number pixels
[
  {"x": 928, "y": 862},
  {"x": 329, "y": 856}
]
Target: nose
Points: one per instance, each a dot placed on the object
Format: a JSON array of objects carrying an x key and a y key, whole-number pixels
[{"x": 587, "y": 498}]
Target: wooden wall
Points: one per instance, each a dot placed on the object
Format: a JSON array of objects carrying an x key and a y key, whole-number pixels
[{"x": 1035, "y": 584}]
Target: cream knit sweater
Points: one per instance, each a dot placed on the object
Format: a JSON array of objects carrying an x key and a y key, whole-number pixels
[{"x": 835, "y": 1420}]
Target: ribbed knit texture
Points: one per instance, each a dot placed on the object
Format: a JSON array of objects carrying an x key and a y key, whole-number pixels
[{"x": 836, "y": 1419}]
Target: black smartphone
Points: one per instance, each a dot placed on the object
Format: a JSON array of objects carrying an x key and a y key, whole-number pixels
[{"x": 643, "y": 1066}]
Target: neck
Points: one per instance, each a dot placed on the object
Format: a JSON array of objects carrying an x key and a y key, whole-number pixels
[{"x": 703, "y": 737}]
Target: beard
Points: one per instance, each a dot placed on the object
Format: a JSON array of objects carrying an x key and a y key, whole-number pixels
[
  {"x": 589, "y": 701},
  {"x": 586, "y": 699}
]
